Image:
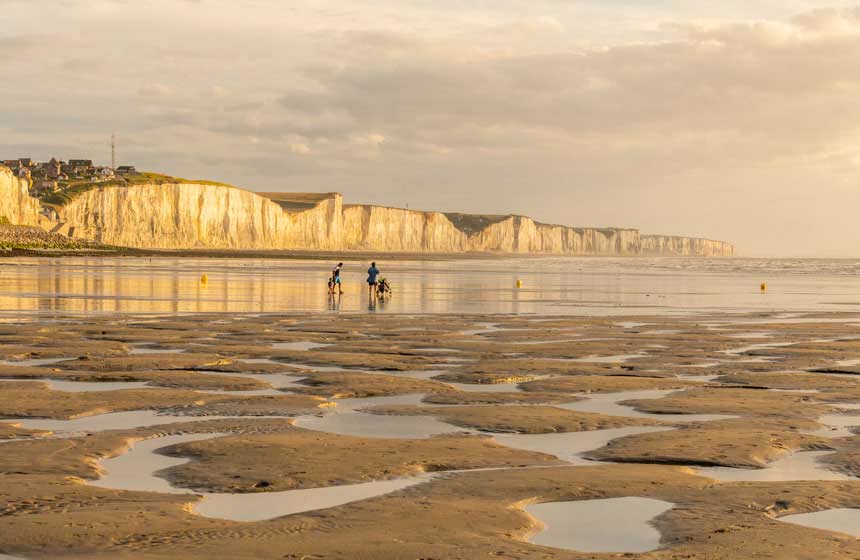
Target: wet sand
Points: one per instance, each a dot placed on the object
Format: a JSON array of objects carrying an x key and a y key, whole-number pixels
[{"x": 443, "y": 436}]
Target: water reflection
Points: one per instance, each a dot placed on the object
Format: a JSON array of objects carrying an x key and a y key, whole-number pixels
[
  {"x": 610, "y": 525},
  {"x": 550, "y": 286}
]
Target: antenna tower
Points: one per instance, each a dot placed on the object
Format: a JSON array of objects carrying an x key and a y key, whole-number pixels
[{"x": 113, "y": 151}]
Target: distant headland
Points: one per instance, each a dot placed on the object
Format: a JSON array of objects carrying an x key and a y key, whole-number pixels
[{"x": 82, "y": 204}]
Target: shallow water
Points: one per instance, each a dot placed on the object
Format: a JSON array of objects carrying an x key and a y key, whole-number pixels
[
  {"x": 33, "y": 363},
  {"x": 699, "y": 378},
  {"x": 347, "y": 419},
  {"x": 608, "y": 403},
  {"x": 611, "y": 525},
  {"x": 269, "y": 505},
  {"x": 138, "y": 469},
  {"x": 752, "y": 347},
  {"x": 619, "y": 359},
  {"x": 841, "y": 520},
  {"x": 571, "y": 446},
  {"x": 837, "y": 425},
  {"x": 301, "y": 345},
  {"x": 268, "y": 361},
  {"x": 631, "y": 324},
  {"x": 112, "y": 421},
  {"x": 483, "y": 328},
  {"x": 276, "y": 380},
  {"x": 417, "y": 374},
  {"x": 551, "y": 285},
  {"x": 751, "y": 335},
  {"x": 802, "y": 465},
  {"x": 84, "y": 386},
  {"x": 488, "y": 387},
  {"x": 363, "y": 424}
]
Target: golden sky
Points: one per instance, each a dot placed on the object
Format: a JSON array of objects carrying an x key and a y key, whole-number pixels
[{"x": 735, "y": 120}]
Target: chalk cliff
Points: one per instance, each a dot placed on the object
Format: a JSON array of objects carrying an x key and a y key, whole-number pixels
[
  {"x": 16, "y": 204},
  {"x": 178, "y": 214},
  {"x": 674, "y": 245}
]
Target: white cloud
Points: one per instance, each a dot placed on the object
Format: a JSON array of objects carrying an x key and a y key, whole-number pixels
[
  {"x": 300, "y": 148},
  {"x": 730, "y": 120},
  {"x": 155, "y": 90}
]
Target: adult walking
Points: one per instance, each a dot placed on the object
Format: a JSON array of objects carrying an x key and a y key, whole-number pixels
[{"x": 372, "y": 276}]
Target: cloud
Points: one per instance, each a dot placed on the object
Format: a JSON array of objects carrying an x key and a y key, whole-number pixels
[
  {"x": 728, "y": 126},
  {"x": 300, "y": 148},
  {"x": 155, "y": 90}
]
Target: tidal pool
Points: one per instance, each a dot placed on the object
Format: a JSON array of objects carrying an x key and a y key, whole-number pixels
[
  {"x": 802, "y": 465},
  {"x": 69, "y": 386},
  {"x": 348, "y": 420},
  {"x": 838, "y": 425},
  {"x": 571, "y": 446},
  {"x": 138, "y": 470},
  {"x": 619, "y": 359},
  {"x": 841, "y": 520},
  {"x": 138, "y": 350},
  {"x": 621, "y": 525},
  {"x": 302, "y": 345},
  {"x": 752, "y": 347},
  {"x": 114, "y": 421},
  {"x": 608, "y": 403},
  {"x": 489, "y": 387},
  {"x": 276, "y": 380},
  {"x": 38, "y": 362}
]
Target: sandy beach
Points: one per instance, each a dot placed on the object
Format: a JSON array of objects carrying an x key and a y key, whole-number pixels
[{"x": 363, "y": 436}]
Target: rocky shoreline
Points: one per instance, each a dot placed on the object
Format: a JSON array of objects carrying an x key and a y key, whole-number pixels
[{"x": 17, "y": 239}]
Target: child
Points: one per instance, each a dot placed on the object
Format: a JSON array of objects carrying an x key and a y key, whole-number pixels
[{"x": 383, "y": 288}]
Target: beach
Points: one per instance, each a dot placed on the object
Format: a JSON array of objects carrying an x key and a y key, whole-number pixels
[{"x": 147, "y": 414}]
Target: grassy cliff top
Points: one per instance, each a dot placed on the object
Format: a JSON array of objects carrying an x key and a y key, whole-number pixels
[
  {"x": 73, "y": 188},
  {"x": 296, "y": 202},
  {"x": 470, "y": 224}
]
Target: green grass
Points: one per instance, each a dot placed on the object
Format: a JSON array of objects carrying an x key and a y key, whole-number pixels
[{"x": 71, "y": 189}]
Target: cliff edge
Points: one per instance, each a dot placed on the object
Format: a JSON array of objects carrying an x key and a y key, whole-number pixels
[{"x": 170, "y": 213}]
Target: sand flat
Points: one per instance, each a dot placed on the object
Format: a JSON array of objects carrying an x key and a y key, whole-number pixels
[{"x": 255, "y": 407}]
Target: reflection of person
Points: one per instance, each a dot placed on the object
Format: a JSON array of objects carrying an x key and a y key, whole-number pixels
[
  {"x": 334, "y": 282},
  {"x": 333, "y": 302},
  {"x": 372, "y": 273}
]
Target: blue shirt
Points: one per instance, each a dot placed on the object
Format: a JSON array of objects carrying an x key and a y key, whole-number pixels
[{"x": 372, "y": 273}]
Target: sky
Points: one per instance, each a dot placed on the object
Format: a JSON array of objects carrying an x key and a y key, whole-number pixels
[{"x": 736, "y": 120}]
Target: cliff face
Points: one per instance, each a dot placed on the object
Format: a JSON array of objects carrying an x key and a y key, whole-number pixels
[
  {"x": 378, "y": 228},
  {"x": 519, "y": 234},
  {"x": 673, "y": 245},
  {"x": 188, "y": 215},
  {"x": 16, "y": 204}
]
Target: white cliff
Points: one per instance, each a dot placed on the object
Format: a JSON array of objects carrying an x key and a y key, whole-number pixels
[
  {"x": 674, "y": 245},
  {"x": 16, "y": 204},
  {"x": 178, "y": 214}
]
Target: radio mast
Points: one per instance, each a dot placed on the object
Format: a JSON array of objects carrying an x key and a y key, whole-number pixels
[{"x": 113, "y": 151}]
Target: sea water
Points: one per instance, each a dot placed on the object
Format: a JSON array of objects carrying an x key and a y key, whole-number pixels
[{"x": 30, "y": 287}]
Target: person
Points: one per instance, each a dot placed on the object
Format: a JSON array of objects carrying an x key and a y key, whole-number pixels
[
  {"x": 383, "y": 287},
  {"x": 372, "y": 274},
  {"x": 334, "y": 282}
]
